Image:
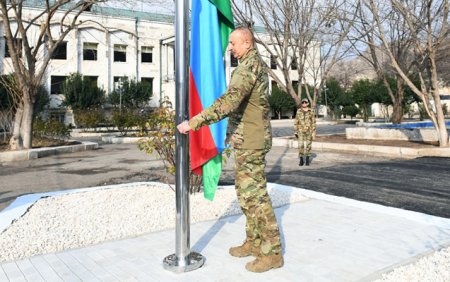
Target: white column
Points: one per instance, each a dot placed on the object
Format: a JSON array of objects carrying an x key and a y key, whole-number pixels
[
  {"x": 79, "y": 45},
  {"x": 109, "y": 56}
]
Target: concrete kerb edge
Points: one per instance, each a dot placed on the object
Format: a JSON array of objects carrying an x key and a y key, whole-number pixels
[
  {"x": 402, "y": 152},
  {"x": 31, "y": 154},
  {"x": 121, "y": 140},
  {"x": 376, "y": 150}
]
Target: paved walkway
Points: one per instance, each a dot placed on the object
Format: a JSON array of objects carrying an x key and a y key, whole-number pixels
[{"x": 326, "y": 238}]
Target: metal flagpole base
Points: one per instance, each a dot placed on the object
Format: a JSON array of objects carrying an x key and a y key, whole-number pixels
[{"x": 194, "y": 261}]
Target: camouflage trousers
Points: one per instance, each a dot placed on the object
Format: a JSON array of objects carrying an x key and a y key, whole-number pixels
[
  {"x": 304, "y": 143},
  {"x": 261, "y": 224}
]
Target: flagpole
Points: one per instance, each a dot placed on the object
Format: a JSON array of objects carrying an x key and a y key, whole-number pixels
[{"x": 183, "y": 260}]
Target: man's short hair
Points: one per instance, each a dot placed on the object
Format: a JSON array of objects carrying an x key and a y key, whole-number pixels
[{"x": 247, "y": 32}]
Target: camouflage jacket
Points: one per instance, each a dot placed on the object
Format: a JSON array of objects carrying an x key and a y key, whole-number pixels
[
  {"x": 246, "y": 104},
  {"x": 305, "y": 121}
]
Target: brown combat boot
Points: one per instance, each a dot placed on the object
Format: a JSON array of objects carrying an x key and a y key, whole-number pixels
[
  {"x": 245, "y": 250},
  {"x": 263, "y": 263}
]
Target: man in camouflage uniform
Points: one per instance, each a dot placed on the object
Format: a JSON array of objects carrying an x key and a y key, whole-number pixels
[
  {"x": 246, "y": 104},
  {"x": 305, "y": 128}
]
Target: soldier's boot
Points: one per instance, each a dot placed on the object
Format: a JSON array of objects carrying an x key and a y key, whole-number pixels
[
  {"x": 264, "y": 263},
  {"x": 301, "y": 162},
  {"x": 245, "y": 250},
  {"x": 307, "y": 160}
]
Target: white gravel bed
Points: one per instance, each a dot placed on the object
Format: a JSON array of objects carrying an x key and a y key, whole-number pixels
[
  {"x": 432, "y": 268},
  {"x": 74, "y": 220}
]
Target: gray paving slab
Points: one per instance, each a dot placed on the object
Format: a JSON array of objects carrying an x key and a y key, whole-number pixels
[
  {"x": 323, "y": 240},
  {"x": 13, "y": 272},
  {"x": 29, "y": 271}
]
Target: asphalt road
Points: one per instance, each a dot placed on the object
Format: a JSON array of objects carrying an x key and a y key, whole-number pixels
[
  {"x": 421, "y": 185},
  {"x": 108, "y": 164}
]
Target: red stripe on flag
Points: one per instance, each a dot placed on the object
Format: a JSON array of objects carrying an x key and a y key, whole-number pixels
[{"x": 201, "y": 142}]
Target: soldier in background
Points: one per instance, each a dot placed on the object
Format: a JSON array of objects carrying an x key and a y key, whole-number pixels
[
  {"x": 305, "y": 130},
  {"x": 246, "y": 104}
]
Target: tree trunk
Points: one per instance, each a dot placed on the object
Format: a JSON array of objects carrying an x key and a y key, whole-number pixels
[
  {"x": 397, "y": 113},
  {"x": 443, "y": 135},
  {"x": 16, "y": 142},
  {"x": 364, "y": 113},
  {"x": 440, "y": 123},
  {"x": 27, "y": 125},
  {"x": 23, "y": 124}
]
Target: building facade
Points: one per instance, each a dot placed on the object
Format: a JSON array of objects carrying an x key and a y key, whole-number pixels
[{"x": 111, "y": 44}]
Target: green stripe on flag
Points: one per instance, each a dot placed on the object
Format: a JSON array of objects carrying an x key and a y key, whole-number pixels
[
  {"x": 211, "y": 174},
  {"x": 224, "y": 7},
  {"x": 212, "y": 169},
  {"x": 226, "y": 21}
]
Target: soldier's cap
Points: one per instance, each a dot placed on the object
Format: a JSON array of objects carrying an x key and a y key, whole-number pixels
[{"x": 305, "y": 100}]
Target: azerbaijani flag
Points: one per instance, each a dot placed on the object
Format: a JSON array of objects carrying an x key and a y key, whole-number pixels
[{"x": 211, "y": 25}]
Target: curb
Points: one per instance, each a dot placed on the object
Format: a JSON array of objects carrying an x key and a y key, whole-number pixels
[
  {"x": 120, "y": 140},
  {"x": 25, "y": 155},
  {"x": 374, "y": 150}
]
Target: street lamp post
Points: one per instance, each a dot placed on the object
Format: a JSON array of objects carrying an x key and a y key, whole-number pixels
[{"x": 326, "y": 102}]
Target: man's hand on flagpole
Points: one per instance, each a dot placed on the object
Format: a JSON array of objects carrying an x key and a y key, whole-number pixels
[{"x": 184, "y": 127}]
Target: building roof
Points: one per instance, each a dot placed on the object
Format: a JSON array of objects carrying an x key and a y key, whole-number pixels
[
  {"x": 115, "y": 12},
  {"x": 154, "y": 17}
]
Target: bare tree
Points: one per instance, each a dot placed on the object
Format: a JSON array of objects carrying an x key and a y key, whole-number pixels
[
  {"x": 442, "y": 60},
  {"x": 368, "y": 46},
  {"x": 302, "y": 35},
  {"x": 32, "y": 39},
  {"x": 427, "y": 22}
]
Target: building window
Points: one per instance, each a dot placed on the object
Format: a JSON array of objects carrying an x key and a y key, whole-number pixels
[
  {"x": 18, "y": 46},
  {"x": 294, "y": 65},
  {"x": 60, "y": 52},
  {"x": 56, "y": 82},
  {"x": 273, "y": 62},
  {"x": 147, "y": 54},
  {"x": 90, "y": 51},
  {"x": 147, "y": 82},
  {"x": 92, "y": 79},
  {"x": 120, "y": 53},
  {"x": 233, "y": 61}
]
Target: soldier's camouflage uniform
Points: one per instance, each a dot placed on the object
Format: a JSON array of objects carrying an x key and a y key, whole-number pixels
[
  {"x": 305, "y": 126},
  {"x": 246, "y": 104}
]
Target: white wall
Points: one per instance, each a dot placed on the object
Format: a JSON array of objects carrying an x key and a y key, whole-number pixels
[{"x": 110, "y": 30}]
